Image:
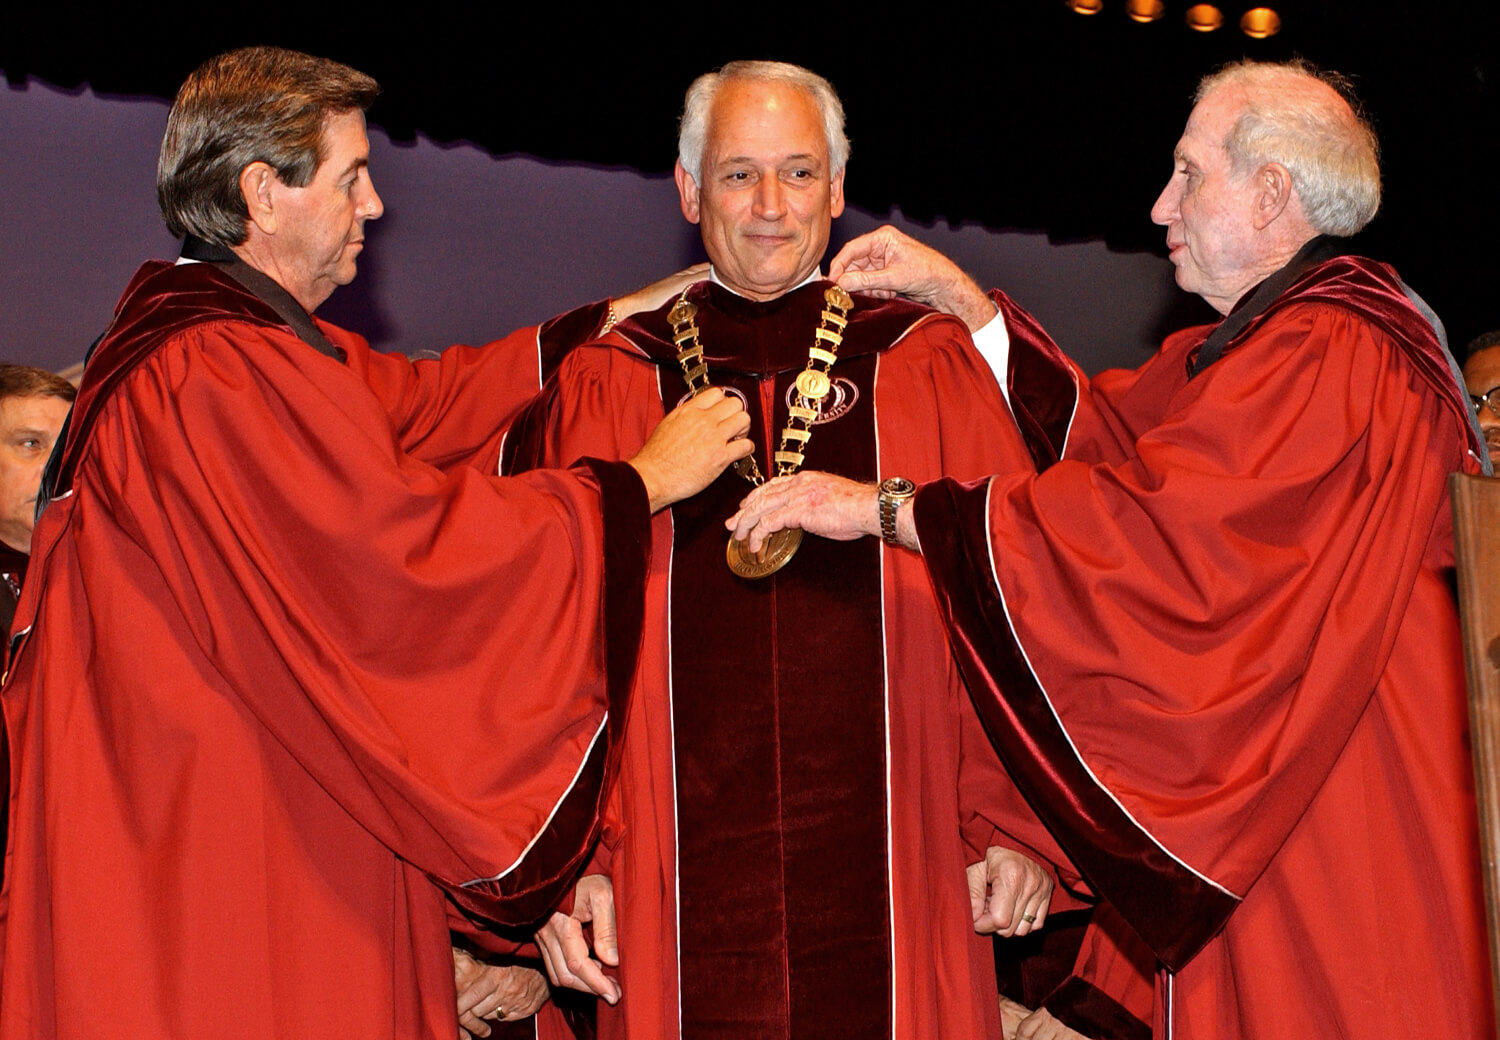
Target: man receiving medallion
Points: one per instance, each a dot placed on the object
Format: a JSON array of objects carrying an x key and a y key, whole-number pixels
[{"x": 804, "y": 782}]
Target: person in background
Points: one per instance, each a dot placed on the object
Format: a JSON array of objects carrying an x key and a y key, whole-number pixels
[
  {"x": 1482, "y": 377},
  {"x": 33, "y": 405}
]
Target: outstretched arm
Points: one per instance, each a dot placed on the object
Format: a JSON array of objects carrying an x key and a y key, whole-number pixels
[
  {"x": 819, "y": 503},
  {"x": 657, "y": 293},
  {"x": 886, "y": 262}
]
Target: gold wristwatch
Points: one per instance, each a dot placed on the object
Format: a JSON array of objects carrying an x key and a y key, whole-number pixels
[{"x": 895, "y": 492}]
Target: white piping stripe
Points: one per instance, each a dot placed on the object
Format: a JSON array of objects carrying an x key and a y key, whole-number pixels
[
  {"x": 500, "y": 461},
  {"x": 602, "y": 723},
  {"x": 885, "y": 660},
  {"x": 1077, "y": 397},
  {"x": 995, "y": 577},
  {"x": 676, "y": 845},
  {"x": 583, "y": 763}
]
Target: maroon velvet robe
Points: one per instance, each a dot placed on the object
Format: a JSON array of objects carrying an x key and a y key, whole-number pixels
[
  {"x": 804, "y": 781},
  {"x": 1215, "y": 646},
  {"x": 288, "y": 688}
]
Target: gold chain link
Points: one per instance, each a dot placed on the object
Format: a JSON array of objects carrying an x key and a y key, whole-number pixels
[{"x": 813, "y": 383}]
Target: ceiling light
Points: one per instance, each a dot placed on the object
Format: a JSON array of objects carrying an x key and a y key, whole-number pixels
[
  {"x": 1204, "y": 17},
  {"x": 1085, "y": 6},
  {"x": 1260, "y": 22},
  {"x": 1145, "y": 10}
]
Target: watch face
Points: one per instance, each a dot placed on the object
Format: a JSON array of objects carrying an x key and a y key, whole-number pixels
[{"x": 897, "y": 486}]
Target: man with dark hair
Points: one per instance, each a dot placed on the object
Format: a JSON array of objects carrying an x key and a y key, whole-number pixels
[
  {"x": 805, "y": 789},
  {"x": 1482, "y": 377},
  {"x": 33, "y": 405},
  {"x": 295, "y": 678},
  {"x": 1213, "y": 639},
  {"x": 237, "y": 110}
]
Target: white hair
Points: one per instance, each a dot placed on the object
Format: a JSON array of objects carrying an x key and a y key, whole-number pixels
[
  {"x": 692, "y": 133},
  {"x": 1307, "y": 120}
]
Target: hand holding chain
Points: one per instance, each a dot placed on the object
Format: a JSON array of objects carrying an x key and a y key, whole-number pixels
[{"x": 813, "y": 385}]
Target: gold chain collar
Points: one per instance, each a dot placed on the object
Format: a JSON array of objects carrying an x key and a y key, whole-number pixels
[{"x": 813, "y": 385}]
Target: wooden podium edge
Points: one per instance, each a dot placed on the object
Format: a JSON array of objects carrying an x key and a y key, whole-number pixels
[{"x": 1476, "y": 543}]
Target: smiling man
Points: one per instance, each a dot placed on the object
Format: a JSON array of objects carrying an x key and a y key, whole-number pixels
[
  {"x": 1213, "y": 640},
  {"x": 804, "y": 785},
  {"x": 294, "y": 677}
]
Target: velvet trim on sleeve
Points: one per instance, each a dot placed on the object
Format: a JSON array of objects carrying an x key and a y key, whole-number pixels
[
  {"x": 1175, "y": 909},
  {"x": 542, "y": 879}
]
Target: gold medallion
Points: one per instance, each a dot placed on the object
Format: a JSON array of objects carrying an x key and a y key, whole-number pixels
[
  {"x": 813, "y": 384},
  {"x": 774, "y": 554}
]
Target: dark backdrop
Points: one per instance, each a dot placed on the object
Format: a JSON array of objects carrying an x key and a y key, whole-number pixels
[{"x": 1023, "y": 117}]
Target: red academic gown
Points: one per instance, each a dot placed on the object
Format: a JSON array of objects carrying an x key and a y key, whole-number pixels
[
  {"x": 1215, "y": 646},
  {"x": 800, "y": 758},
  {"x": 288, "y": 688}
]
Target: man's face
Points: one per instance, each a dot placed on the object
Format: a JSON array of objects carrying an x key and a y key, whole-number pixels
[
  {"x": 1481, "y": 375},
  {"x": 28, "y": 426},
  {"x": 320, "y": 228},
  {"x": 767, "y": 198},
  {"x": 1208, "y": 211}
]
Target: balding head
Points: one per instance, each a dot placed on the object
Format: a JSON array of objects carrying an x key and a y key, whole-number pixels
[
  {"x": 1272, "y": 156},
  {"x": 1308, "y": 121}
]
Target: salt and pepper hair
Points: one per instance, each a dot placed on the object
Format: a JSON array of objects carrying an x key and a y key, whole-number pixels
[
  {"x": 692, "y": 135},
  {"x": 1320, "y": 136},
  {"x": 256, "y": 104}
]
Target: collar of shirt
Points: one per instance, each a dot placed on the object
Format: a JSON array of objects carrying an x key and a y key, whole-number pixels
[{"x": 713, "y": 276}]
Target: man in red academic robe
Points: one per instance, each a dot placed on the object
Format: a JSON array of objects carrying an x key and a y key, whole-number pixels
[
  {"x": 804, "y": 783},
  {"x": 292, "y": 681},
  {"x": 1213, "y": 641}
]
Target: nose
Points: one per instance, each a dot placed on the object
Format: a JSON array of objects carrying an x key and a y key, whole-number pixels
[
  {"x": 1164, "y": 211},
  {"x": 769, "y": 199},
  {"x": 370, "y": 206}
]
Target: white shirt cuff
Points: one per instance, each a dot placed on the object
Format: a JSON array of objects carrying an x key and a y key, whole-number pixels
[{"x": 992, "y": 340}]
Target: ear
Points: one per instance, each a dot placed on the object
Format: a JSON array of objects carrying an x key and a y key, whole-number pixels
[
  {"x": 687, "y": 190},
  {"x": 257, "y": 183},
  {"x": 1273, "y": 183},
  {"x": 836, "y": 194}
]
